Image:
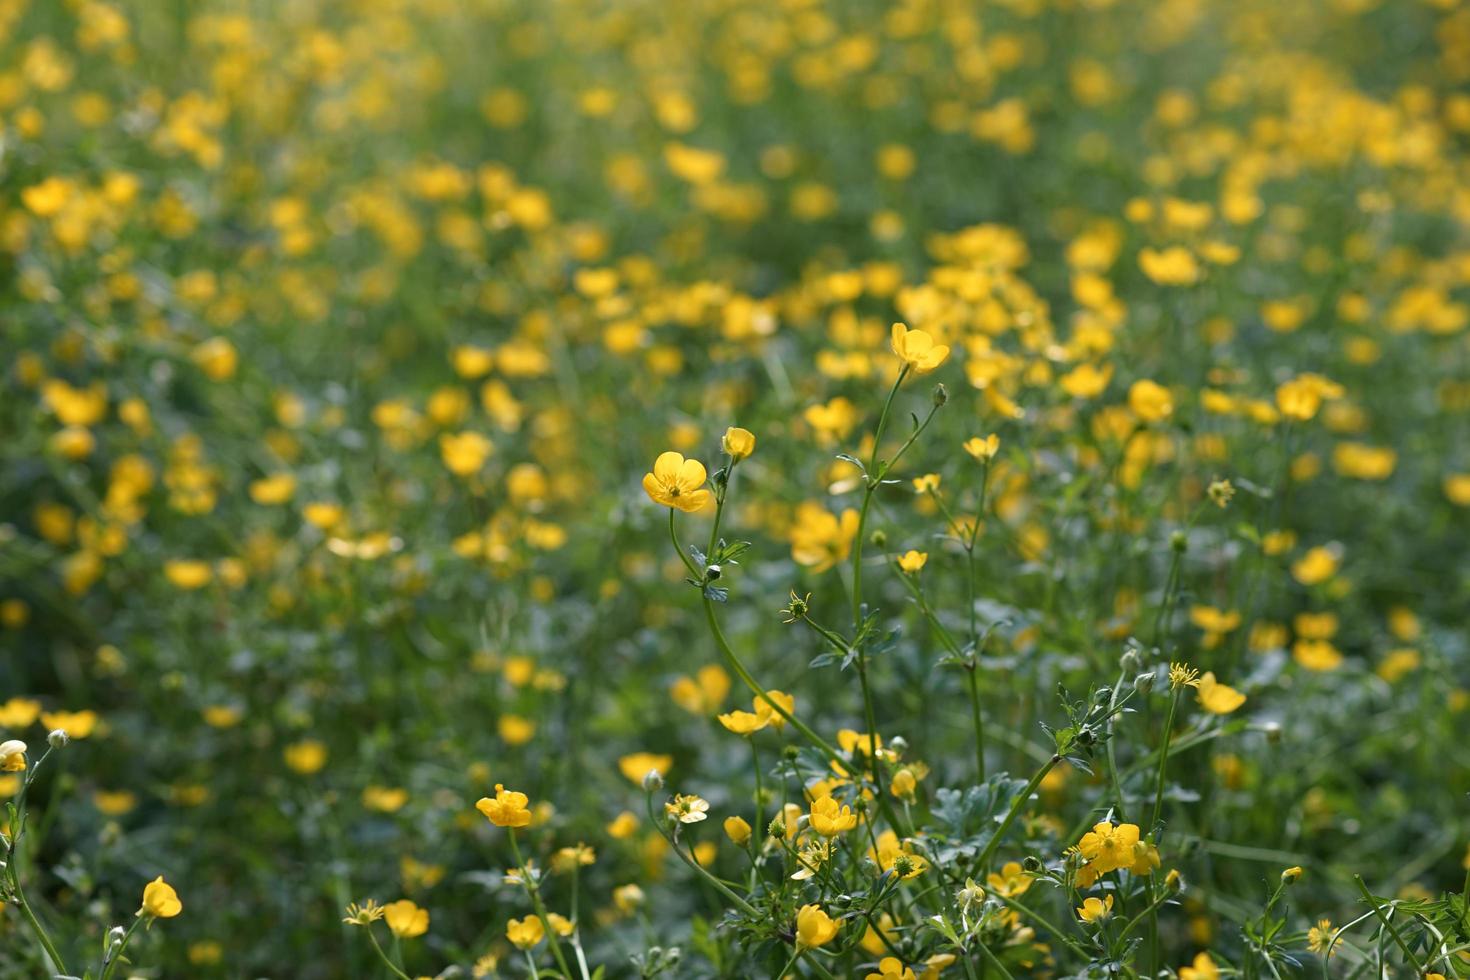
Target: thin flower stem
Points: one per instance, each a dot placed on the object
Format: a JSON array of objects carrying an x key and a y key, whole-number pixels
[
  {"x": 760, "y": 692},
  {"x": 719, "y": 885},
  {"x": 1387, "y": 924},
  {"x": 993, "y": 961},
  {"x": 384, "y": 956},
  {"x": 983, "y": 863},
  {"x": 1164, "y": 761},
  {"x": 534, "y": 891},
  {"x": 111, "y": 957},
  {"x": 976, "y": 718}
]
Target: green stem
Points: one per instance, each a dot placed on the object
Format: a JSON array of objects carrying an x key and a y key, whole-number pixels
[
  {"x": 971, "y": 671},
  {"x": 534, "y": 891},
  {"x": 1388, "y": 924},
  {"x": 384, "y": 956},
  {"x": 1164, "y": 761},
  {"x": 719, "y": 885},
  {"x": 112, "y": 958},
  {"x": 983, "y": 864}
]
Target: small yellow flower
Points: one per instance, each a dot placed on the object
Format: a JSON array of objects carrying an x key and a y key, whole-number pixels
[
  {"x": 525, "y": 933},
  {"x": 1182, "y": 675},
  {"x": 160, "y": 900},
  {"x": 464, "y": 453},
  {"x": 1320, "y": 937},
  {"x": 365, "y": 914},
  {"x": 911, "y": 561},
  {"x": 1108, "y": 847},
  {"x": 1291, "y": 874},
  {"x": 1095, "y": 909},
  {"x": 738, "y": 830},
  {"x": 1150, "y": 400},
  {"x": 677, "y": 482},
  {"x": 814, "y": 927},
  {"x": 738, "y": 443},
  {"x": 917, "y": 349},
  {"x": 983, "y": 449},
  {"x": 1217, "y": 698},
  {"x": 891, "y": 968},
  {"x": 687, "y": 808},
  {"x": 639, "y": 764},
  {"x": 406, "y": 919},
  {"x": 306, "y": 756},
  {"x": 1203, "y": 969},
  {"x": 12, "y": 756},
  {"x": 76, "y": 724},
  {"x": 507, "y": 809},
  {"x": 829, "y": 818}
]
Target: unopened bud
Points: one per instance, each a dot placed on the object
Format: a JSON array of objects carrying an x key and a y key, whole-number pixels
[
  {"x": 1130, "y": 661},
  {"x": 940, "y": 395},
  {"x": 879, "y": 539},
  {"x": 653, "y": 781},
  {"x": 58, "y": 738},
  {"x": 1179, "y": 542},
  {"x": 1144, "y": 682},
  {"x": 1290, "y": 875}
]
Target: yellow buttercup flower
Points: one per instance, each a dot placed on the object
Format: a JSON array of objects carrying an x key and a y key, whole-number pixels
[
  {"x": 639, "y": 764},
  {"x": 1217, "y": 698},
  {"x": 525, "y": 933},
  {"x": 76, "y": 724},
  {"x": 1203, "y": 969},
  {"x": 12, "y": 755},
  {"x": 1109, "y": 847},
  {"x": 1095, "y": 909},
  {"x": 829, "y": 818},
  {"x": 677, "y": 482},
  {"x": 738, "y": 443},
  {"x": 911, "y": 561},
  {"x": 814, "y": 927},
  {"x": 916, "y": 348},
  {"x": 892, "y": 968},
  {"x": 306, "y": 756},
  {"x": 405, "y": 919},
  {"x": 507, "y": 809},
  {"x": 160, "y": 900},
  {"x": 983, "y": 448},
  {"x": 1150, "y": 400},
  {"x": 687, "y": 808},
  {"x": 738, "y": 830}
]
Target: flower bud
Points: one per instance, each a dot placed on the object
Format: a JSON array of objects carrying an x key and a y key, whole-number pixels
[
  {"x": 1144, "y": 682},
  {"x": 653, "y": 781},
  {"x": 940, "y": 395},
  {"x": 1130, "y": 662},
  {"x": 712, "y": 572},
  {"x": 1290, "y": 875},
  {"x": 58, "y": 738},
  {"x": 737, "y": 830},
  {"x": 1179, "y": 542},
  {"x": 879, "y": 539}
]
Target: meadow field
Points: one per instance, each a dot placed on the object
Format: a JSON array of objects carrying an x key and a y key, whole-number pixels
[{"x": 881, "y": 489}]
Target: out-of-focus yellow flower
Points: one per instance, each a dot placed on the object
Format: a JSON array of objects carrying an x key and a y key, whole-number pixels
[
  {"x": 635, "y": 766},
  {"x": 405, "y": 919},
  {"x": 1217, "y": 698},
  {"x": 1150, "y": 401},
  {"x": 305, "y": 757},
  {"x": 464, "y": 453},
  {"x": 525, "y": 933},
  {"x": 911, "y": 561},
  {"x": 738, "y": 830},
  {"x": 76, "y": 724}
]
